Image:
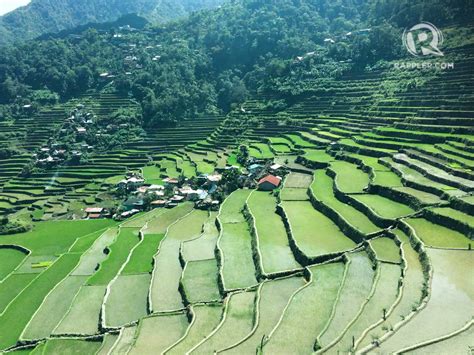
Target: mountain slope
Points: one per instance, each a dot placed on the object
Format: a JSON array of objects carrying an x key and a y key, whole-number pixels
[
  {"x": 212, "y": 60},
  {"x": 44, "y": 16}
]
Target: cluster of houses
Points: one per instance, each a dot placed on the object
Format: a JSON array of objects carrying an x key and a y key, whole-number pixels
[
  {"x": 55, "y": 153},
  {"x": 78, "y": 121},
  {"x": 140, "y": 196},
  {"x": 97, "y": 212},
  {"x": 132, "y": 51},
  {"x": 265, "y": 176},
  {"x": 48, "y": 157}
]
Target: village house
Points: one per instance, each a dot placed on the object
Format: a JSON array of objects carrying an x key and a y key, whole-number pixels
[
  {"x": 128, "y": 214},
  {"x": 81, "y": 131},
  {"x": 156, "y": 192},
  {"x": 96, "y": 212},
  {"x": 202, "y": 178},
  {"x": 275, "y": 168},
  {"x": 269, "y": 183},
  {"x": 48, "y": 161},
  {"x": 215, "y": 178},
  {"x": 170, "y": 181},
  {"x": 208, "y": 203},
  {"x": 154, "y": 188},
  {"x": 177, "y": 199},
  {"x": 159, "y": 203},
  {"x": 134, "y": 203},
  {"x": 190, "y": 194},
  {"x": 141, "y": 190},
  {"x": 144, "y": 190},
  {"x": 131, "y": 183},
  {"x": 254, "y": 169},
  {"x": 76, "y": 154},
  {"x": 203, "y": 195}
]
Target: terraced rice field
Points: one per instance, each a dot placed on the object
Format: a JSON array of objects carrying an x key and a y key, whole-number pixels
[
  {"x": 322, "y": 189},
  {"x": 276, "y": 255},
  {"x": 313, "y": 232},
  {"x": 365, "y": 248}
]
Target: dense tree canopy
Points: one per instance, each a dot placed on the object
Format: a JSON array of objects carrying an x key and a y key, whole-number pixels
[
  {"x": 214, "y": 59},
  {"x": 47, "y": 16}
]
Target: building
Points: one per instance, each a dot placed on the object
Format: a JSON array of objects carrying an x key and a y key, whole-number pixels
[
  {"x": 128, "y": 214},
  {"x": 157, "y": 193},
  {"x": 132, "y": 183},
  {"x": 275, "y": 168},
  {"x": 215, "y": 178},
  {"x": 170, "y": 181},
  {"x": 158, "y": 203},
  {"x": 153, "y": 188},
  {"x": 203, "y": 195},
  {"x": 255, "y": 168},
  {"x": 95, "y": 212},
  {"x": 142, "y": 190},
  {"x": 269, "y": 183},
  {"x": 177, "y": 199},
  {"x": 133, "y": 203},
  {"x": 81, "y": 130}
]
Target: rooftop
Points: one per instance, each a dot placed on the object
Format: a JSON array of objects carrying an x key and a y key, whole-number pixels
[
  {"x": 94, "y": 210},
  {"x": 274, "y": 180}
]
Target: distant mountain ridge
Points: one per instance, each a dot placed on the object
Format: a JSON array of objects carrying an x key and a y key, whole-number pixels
[{"x": 50, "y": 16}]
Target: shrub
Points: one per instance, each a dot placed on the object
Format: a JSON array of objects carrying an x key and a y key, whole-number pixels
[{"x": 13, "y": 227}]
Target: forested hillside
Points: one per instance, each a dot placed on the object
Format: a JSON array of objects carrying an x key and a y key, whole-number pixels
[
  {"x": 45, "y": 16},
  {"x": 213, "y": 59}
]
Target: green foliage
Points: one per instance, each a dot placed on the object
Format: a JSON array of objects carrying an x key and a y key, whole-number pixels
[
  {"x": 13, "y": 227},
  {"x": 49, "y": 16},
  {"x": 408, "y": 12},
  {"x": 44, "y": 97},
  {"x": 230, "y": 179},
  {"x": 208, "y": 62},
  {"x": 243, "y": 154}
]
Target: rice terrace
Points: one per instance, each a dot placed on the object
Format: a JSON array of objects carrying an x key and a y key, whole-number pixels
[{"x": 237, "y": 177}]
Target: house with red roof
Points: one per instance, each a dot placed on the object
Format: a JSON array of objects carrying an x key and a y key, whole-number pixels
[
  {"x": 95, "y": 212},
  {"x": 269, "y": 183}
]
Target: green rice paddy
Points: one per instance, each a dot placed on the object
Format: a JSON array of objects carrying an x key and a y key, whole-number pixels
[
  {"x": 238, "y": 268},
  {"x": 271, "y": 234},
  {"x": 384, "y": 207},
  {"x": 127, "y": 300},
  {"x": 82, "y": 316},
  {"x": 322, "y": 189},
  {"x": 438, "y": 236},
  {"x": 11, "y": 259},
  {"x": 206, "y": 318},
  {"x": 200, "y": 281},
  {"x": 151, "y": 338},
  {"x": 237, "y": 323},
  {"x": 314, "y": 233},
  {"x": 318, "y": 298},
  {"x": 349, "y": 177},
  {"x": 119, "y": 252},
  {"x": 386, "y": 249}
]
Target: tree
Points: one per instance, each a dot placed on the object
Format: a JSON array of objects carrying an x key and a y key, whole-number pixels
[
  {"x": 230, "y": 179},
  {"x": 84, "y": 77},
  {"x": 243, "y": 155}
]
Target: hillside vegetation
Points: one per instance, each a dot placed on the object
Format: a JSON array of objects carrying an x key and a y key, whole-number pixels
[{"x": 48, "y": 16}]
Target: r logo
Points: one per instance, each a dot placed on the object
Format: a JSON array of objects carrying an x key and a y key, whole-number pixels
[{"x": 423, "y": 39}]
